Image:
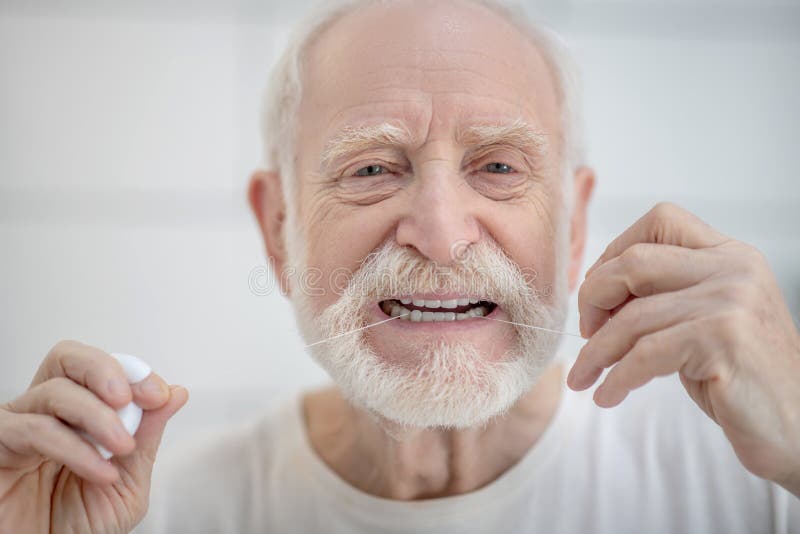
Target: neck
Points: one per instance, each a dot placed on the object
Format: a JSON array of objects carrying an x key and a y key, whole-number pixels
[{"x": 426, "y": 463}]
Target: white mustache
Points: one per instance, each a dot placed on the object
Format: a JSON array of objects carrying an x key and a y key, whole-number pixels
[
  {"x": 442, "y": 382},
  {"x": 393, "y": 270}
]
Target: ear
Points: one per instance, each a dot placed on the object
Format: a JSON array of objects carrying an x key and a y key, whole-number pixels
[
  {"x": 265, "y": 194},
  {"x": 582, "y": 191}
]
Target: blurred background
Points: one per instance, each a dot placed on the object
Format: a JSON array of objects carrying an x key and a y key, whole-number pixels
[{"x": 128, "y": 131}]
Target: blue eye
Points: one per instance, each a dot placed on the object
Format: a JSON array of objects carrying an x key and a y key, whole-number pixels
[
  {"x": 370, "y": 170},
  {"x": 499, "y": 168}
]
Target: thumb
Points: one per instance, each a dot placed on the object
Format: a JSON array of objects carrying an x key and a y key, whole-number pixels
[{"x": 139, "y": 464}]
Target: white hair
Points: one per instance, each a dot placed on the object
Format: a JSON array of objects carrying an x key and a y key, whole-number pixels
[
  {"x": 284, "y": 90},
  {"x": 441, "y": 382}
]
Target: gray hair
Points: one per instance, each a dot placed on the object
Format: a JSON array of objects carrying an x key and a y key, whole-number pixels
[{"x": 283, "y": 93}]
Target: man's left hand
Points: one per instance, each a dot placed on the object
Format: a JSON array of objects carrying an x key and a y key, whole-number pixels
[{"x": 685, "y": 298}]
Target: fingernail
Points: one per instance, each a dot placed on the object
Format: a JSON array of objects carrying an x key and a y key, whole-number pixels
[
  {"x": 571, "y": 378},
  {"x": 598, "y": 395},
  {"x": 152, "y": 385},
  {"x": 120, "y": 434},
  {"x": 601, "y": 396},
  {"x": 578, "y": 380},
  {"x": 135, "y": 369}
]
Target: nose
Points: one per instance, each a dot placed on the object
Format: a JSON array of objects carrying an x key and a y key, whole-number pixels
[{"x": 439, "y": 220}]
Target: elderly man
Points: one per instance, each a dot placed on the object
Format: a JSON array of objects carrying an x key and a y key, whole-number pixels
[{"x": 426, "y": 211}]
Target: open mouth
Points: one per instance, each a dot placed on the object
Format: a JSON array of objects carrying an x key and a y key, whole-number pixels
[{"x": 426, "y": 310}]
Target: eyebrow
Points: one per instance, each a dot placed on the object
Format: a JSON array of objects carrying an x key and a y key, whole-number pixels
[
  {"x": 356, "y": 139},
  {"x": 518, "y": 134}
]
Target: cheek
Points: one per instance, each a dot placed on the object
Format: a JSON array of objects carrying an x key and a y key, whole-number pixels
[
  {"x": 528, "y": 234},
  {"x": 338, "y": 243}
]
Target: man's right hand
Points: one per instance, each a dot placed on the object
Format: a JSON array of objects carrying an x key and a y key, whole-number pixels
[{"x": 52, "y": 479}]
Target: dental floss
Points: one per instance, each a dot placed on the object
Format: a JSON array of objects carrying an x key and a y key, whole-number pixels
[
  {"x": 478, "y": 316},
  {"x": 356, "y": 330},
  {"x": 531, "y": 326},
  {"x": 131, "y": 414}
]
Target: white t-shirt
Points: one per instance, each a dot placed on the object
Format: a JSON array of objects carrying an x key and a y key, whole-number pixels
[{"x": 654, "y": 464}]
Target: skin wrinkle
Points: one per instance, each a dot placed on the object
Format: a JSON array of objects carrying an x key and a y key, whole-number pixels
[
  {"x": 371, "y": 106},
  {"x": 429, "y": 72},
  {"x": 355, "y": 139},
  {"x": 447, "y": 56},
  {"x": 371, "y": 102},
  {"x": 425, "y": 215},
  {"x": 352, "y": 141},
  {"x": 419, "y": 86}
]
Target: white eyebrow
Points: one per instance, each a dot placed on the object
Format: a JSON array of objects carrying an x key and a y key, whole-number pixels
[
  {"x": 518, "y": 134},
  {"x": 355, "y": 139}
]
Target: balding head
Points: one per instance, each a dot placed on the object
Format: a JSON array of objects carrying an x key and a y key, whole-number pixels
[{"x": 355, "y": 23}]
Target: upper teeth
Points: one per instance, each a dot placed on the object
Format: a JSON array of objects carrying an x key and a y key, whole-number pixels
[
  {"x": 452, "y": 303},
  {"x": 426, "y": 316}
]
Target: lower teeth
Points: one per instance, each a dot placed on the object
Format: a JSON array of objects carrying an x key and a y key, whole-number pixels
[{"x": 419, "y": 316}]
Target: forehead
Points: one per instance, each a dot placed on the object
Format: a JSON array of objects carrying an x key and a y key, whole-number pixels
[{"x": 425, "y": 63}]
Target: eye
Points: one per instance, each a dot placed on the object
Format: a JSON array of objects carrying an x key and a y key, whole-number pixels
[
  {"x": 370, "y": 170},
  {"x": 498, "y": 168}
]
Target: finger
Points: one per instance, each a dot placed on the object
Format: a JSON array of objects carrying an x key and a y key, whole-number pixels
[
  {"x": 638, "y": 318},
  {"x": 641, "y": 270},
  {"x": 139, "y": 465},
  {"x": 658, "y": 354},
  {"x": 36, "y": 434},
  {"x": 88, "y": 366},
  {"x": 151, "y": 393},
  {"x": 80, "y": 408},
  {"x": 665, "y": 223}
]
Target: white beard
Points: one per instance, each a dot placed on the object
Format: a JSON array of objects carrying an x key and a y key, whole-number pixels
[{"x": 450, "y": 384}]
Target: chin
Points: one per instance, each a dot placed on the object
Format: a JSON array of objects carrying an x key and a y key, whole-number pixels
[
  {"x": 416, "y": 357},
  {"x": 450, "y": 385}
]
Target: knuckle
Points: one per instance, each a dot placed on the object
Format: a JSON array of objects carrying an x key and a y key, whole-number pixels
[
  {"x": 62, "y": 347},
  {"x": 635, "y": 255},
  {"x": 743, "y": 295},
  {"x": 632, "y": 314},
  {"x": 743, "y": 257},
  {"x": 57, "y": 384},
  {"x": 52, "y": 392},
  {"x": 637, "y": 276},
  {"x": 665, "y": 210},
  {"x": 754, "y": 261},
  {"x": 36, "y": 424},
  {"x": 644, "y": 346},
  {"x": 104, "y": 366},
  {"x": 660, "y": 221},
  {"x": 52, "y": 387},
  {"x": 641, "y": 352}
]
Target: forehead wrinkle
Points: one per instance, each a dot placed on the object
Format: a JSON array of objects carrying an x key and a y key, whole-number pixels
[{"x": 353, "y": 139}]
